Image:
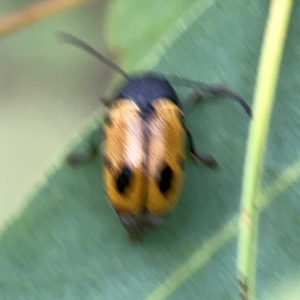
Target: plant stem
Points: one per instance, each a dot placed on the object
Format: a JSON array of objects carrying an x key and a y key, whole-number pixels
[
  {"x": 35, "y": 13},
  {"x": 266, "y": 83}
]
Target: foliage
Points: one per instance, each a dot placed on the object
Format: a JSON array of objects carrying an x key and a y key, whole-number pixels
[{"x": 68, "y": 244}]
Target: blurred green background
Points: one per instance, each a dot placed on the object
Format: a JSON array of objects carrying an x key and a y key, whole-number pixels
[{"x": 47, "y": 90}]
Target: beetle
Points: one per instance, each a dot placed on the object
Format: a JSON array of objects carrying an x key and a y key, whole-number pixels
[{"x": 144, "y": 136}]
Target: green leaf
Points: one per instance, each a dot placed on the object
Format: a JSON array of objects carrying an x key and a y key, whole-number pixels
[
  {"x": 134, "y": 26},
  {"x": 68, "y": 244}
]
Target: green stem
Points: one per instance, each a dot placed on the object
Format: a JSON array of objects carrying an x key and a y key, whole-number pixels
[{"x": 267, "y": 78}]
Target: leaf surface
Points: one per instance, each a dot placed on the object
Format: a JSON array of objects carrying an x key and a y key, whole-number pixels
[
  {"x": 68, "y": 244},
  {"x": 134, "y": 26}
]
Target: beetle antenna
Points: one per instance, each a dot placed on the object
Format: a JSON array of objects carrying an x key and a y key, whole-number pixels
[
  {"x": 216, "y": 90},
  {"x": 70, "y": 39}
]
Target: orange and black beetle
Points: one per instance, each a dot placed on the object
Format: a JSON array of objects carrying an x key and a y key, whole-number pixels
[{"x": 143, "y": 151}]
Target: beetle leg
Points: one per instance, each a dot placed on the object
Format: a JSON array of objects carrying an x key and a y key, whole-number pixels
[
  {"x": 106, "y": 101},
  {"x": 152, "y": 220},
  {"x": 217, "y": 91},
  {"x": 205, "y": 159},
  {"x": 131, "y": 224},
  {"x": 83, "y": 156},
  {"x": 88, "y": 152},
  {"x": 133, "y": 235}
]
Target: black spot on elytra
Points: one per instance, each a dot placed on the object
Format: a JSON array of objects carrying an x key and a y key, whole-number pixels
[
  {"x": 165, "y": 179},
  {"x": 123, "y": 179}
]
